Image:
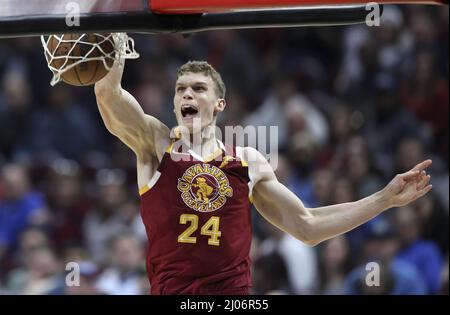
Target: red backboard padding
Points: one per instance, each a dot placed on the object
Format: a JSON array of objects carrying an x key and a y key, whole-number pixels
[{"x": 204, "y": 6}]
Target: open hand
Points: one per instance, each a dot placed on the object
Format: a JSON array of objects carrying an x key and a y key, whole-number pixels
[{"x": 409, "y": 186}]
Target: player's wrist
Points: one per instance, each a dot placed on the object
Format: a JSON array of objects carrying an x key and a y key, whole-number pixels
[
  {"x": 106, "y": 87},
  {"x": 383, "y": 200}
]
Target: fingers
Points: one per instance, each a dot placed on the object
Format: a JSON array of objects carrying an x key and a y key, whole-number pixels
[
  {"x": 409, "y": 175},
  {"x": 416, "y": 170},
  {"x": 424, "y": 191},
  {"x": 423, "y": 181},
  {"x": 423, "y": 165}
]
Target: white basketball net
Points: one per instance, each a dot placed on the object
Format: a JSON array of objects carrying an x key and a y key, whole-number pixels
[{"x": 122, "y": 43}]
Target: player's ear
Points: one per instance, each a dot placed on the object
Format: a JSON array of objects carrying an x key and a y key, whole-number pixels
[{"x": 220, "y": 106}]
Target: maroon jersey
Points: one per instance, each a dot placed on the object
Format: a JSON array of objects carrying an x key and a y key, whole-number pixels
[{"x": 198, "y": 222}]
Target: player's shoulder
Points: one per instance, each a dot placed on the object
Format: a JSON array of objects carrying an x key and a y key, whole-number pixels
[
  {"x": 258, "y": 166},
  {"x": 251, "y": 155},
  {"x": 153, "y": 144}
]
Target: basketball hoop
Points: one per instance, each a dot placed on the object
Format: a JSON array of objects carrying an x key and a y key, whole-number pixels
[{"x": 66, "y": 59}]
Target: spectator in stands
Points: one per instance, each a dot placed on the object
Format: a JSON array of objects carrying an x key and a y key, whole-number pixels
[
  {"x": 123, "y": 275},
  {"x": 270, "y": 275},
  {"x": 104, "y": 220},
  {"x": 334, "y": 265},
  {"x": 423, "y": 254},
  {"x": 434, "y": 220},
  {"x": 40, "y": 273},
  {"x": 21, "y": 206},
  {"x": 389, "y": 275},
  {"x": 65, "y": 193},
  {"x": 300, "y": 259}
]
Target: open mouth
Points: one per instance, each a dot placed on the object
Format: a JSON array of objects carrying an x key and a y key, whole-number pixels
[{"x": 188, "y": 111}]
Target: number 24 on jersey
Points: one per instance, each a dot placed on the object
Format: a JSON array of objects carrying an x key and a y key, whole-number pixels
[{"x": 210, "y": 228}]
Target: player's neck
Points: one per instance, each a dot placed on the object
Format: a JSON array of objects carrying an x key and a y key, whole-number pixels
[
  {"x": 204, "y": 144},
  {"x": 209, "y": 145}
]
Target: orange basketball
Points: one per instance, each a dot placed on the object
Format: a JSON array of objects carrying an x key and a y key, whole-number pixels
[{"x": 87, "y": 72}]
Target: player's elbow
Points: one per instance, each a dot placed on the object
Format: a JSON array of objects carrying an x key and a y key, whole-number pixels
[
  {"x": 311, "y": 243},
  {"x": 306, "y": 231},
  {"x": 307, "y": 240}
]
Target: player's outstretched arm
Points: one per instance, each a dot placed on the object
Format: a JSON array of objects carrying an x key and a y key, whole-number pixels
[
  {"x": 124, "y": 117},
  {"x": 282, "y": 208}
]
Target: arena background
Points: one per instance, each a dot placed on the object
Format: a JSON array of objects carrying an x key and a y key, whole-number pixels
[{"x": 354, "y": 105}]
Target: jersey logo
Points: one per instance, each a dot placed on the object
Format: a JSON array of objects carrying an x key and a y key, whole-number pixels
[
  {"x": 204, "y": 187},
  {"x": 226, "y": 160}
]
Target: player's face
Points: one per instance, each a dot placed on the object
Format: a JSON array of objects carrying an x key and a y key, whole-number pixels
[{"x": 196, "y": 101}]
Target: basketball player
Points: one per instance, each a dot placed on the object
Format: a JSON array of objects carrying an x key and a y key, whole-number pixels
[{"x": 197, "y": 210}]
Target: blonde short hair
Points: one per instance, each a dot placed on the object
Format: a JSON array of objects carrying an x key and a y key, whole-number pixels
[{"x": 207, "y": 70}]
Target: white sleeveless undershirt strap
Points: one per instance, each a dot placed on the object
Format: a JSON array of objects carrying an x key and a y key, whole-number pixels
[
  {"x": 151, "y": 183},
  {"x": 251, "y": 183},
  {"x": 221, "y": 145}
]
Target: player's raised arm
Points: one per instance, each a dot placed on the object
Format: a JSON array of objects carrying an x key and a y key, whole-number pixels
[
  {"x": 124, "y": 117},
  {"x": 281, "y": 207}
]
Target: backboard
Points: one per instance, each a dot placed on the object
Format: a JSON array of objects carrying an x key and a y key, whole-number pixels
[
  {"x": 42, "y": 17},
  {"x": 27, "y": 8}
]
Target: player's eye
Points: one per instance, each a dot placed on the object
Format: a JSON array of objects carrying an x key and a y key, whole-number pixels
[
  {"x": 181, "y": 89},
  {"x": 199, "y": 88}
]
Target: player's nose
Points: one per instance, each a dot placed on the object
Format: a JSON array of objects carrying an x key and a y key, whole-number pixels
[{"x": 187, "y": 93}]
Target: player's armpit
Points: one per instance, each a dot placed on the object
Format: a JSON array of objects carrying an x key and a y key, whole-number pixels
[
  {"x": 124, "y": 117},
  {"x": 276, "y": 203}
]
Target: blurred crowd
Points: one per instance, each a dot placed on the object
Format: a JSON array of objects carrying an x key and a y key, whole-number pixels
[{"x": 355, "y": 105}]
